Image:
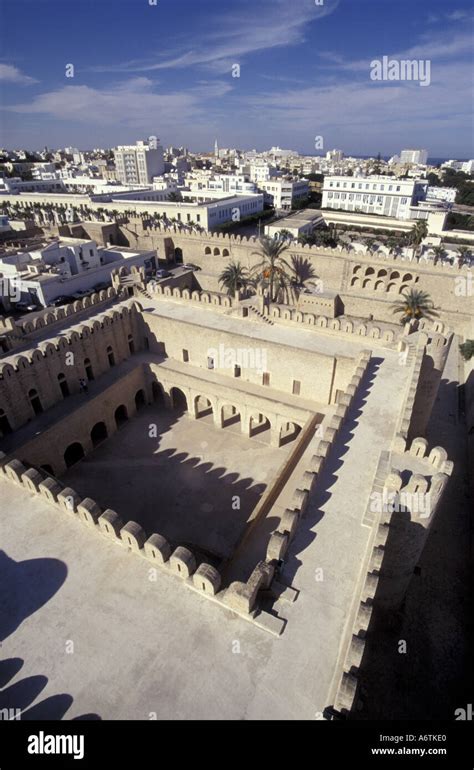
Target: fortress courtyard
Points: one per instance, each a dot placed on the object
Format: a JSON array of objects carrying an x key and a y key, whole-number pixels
[{"x": 213, "y": 461}]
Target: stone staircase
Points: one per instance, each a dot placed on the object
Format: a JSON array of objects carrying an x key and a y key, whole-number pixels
[
  {"x": 135, "y": 282},
  {"x": 264, "y": 318}
]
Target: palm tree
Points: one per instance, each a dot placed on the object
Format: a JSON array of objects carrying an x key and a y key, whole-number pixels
[
  {"x": 439, "y": 253},
  {"x": 285, "y": 235},
  {"x": 303, "y": 271},
  {"x": 415, "y": 304},
  {"x": 418, "y": 234},
  {"x": 234, "y": 277},
  {"x": 463, "y": 253},
  {"x": 272, "y": 268}
]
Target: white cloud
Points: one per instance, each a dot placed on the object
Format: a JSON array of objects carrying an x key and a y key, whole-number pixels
[
  {"x": 11, "y": 74},
  {"x": 131, "y": 103},
  {"x": 234, "y": 35}
]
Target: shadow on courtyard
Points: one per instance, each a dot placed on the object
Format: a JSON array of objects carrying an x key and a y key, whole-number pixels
[
  {"x": 25, "y": 587},
  {"x": 177, "y": 494},
  {"x": 433, "y": 677},
  {"x": 17, "y": 701}
]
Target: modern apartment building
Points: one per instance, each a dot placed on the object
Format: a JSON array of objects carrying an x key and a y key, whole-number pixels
[
  {"x": 139, "y": 163},
  {"x": 382, "y": 195},
  {"x": 227, "y": 184},
  {"x": 447, "y": 194},
  {"x": 282, "y": 193},
  {"x": 414, "y": 156}
]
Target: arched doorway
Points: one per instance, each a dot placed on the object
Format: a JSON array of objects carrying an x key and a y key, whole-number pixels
[
  {"x": 289, "y": 431},
  {"x": 35, "y": 401},
  {"x": 178, "y": 255},
  {"x": 110, "y": 356},
  {"x": 88, "y": 368},
  {"x": 73, "y": 454},
  {"x": 259, "y": 424},
  {"x": 121, "y": 415},
  {"x": 178, "y": 399},
  {"x": 98, "y": 433},
  {"x": 63, "y": 385},
  {"x": 230, "y": 415},
  {"x": 5, "y": 427},
  {"x": 203, "y": 406},
  {"x": 140, "y": 400}
]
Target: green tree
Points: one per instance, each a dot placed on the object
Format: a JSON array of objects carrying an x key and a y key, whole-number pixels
[
  {"x": 415, "y": 304},
  {"x": 285, "y": 235},
  {"x": 439, "y": 253},
  {"x": 272, "y": 269},
  {"x": 234, "y": 277},
  {"x": 467, "y": 349},
  {"x": 417, "y": 235},
  {"x": 464, "y": 252}
]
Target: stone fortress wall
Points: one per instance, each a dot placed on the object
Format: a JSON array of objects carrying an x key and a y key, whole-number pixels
[
  {"x": 131, "y": 333},
  {"x": 36, "y": 379},
  {"x": 367, "y": 283},
  {"x": 400, "y": 513}
]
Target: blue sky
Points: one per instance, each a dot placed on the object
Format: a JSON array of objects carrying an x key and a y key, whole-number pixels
[{"x": 166, "y": 69}]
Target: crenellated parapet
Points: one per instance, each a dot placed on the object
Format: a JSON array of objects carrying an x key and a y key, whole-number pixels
[{"x": 210, "y": 298}]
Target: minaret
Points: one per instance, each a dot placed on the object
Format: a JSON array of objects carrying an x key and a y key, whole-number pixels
[{"x": 216, "y": 150}]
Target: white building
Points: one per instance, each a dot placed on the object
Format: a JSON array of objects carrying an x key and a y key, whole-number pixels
[
  {"x": 414, "y": 156},
  {"x": 447, "y": 194},
  {"x": 468, "y": 167},
  {"x": 227, "y": 184},
  {"x": 260, "y": 172},
  {"x": 139, "y": 163},
  {"x": 335, "y": 155},
  {"x": 382, "y": 195},
  {"x": 299, "y": 223},
  {"x": 17, "y": 185},
  {"x": 66, "y": 267},
  {"x": 283, "y": 193}
]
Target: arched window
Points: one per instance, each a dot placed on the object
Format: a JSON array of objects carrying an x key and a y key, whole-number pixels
[
  {"x": 88, "y": 368},
  {"x": 35, "y": 401},
  {"x": 63, "y": 385},
  {"x": 110, "y": 356}
]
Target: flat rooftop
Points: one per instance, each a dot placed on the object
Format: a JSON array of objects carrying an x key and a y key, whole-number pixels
[{"x": 323, "y": 341}]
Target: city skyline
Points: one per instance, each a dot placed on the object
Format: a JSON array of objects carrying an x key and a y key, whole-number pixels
[{"x": 299, "y": 63}]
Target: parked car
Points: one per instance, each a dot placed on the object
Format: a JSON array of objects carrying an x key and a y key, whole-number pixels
[
  {"x": 102, "y": 286},
  {"x": 163, "y": 274},
  {"x": 191, "y": 266},
  {"x": 26, "y": 307},
  {"x": 61, "y": 300}
]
